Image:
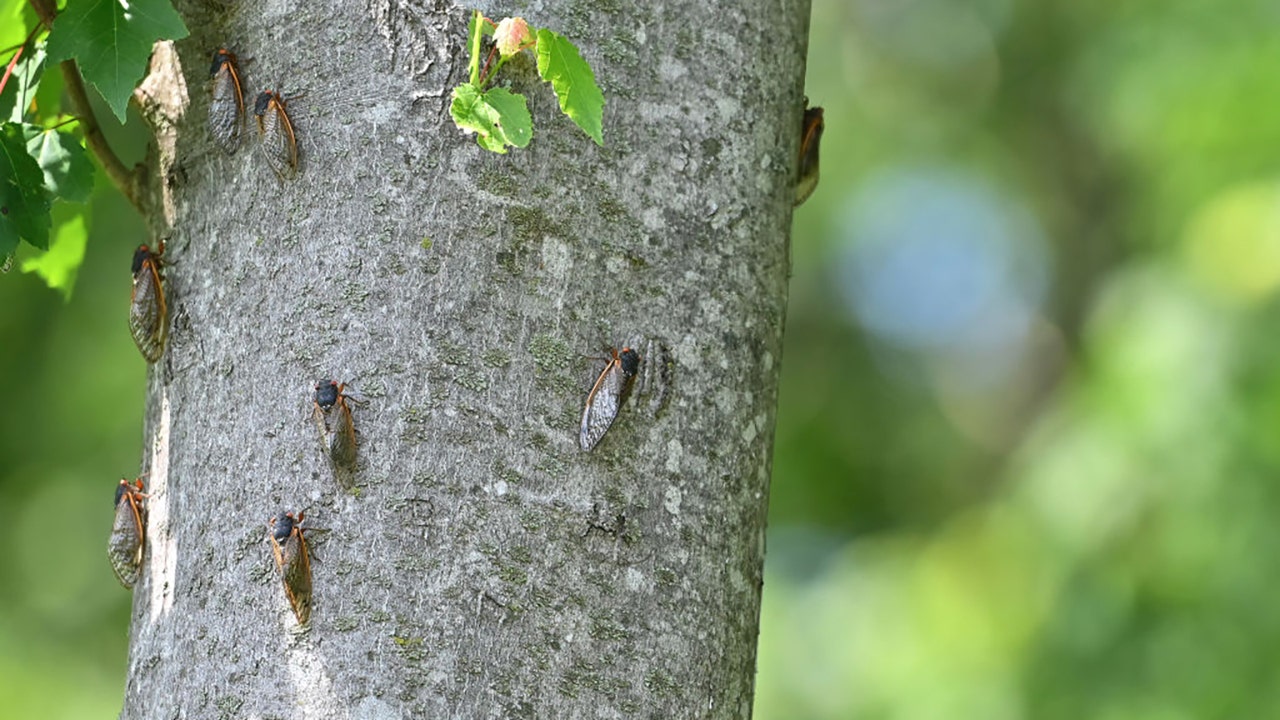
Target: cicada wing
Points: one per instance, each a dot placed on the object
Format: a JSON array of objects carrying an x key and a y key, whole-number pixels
[
  {"x": 148, "y": 313},
  {"x": 602, "y": 405},
  {"x": 342, "y": 443},
  {"x": 127, "y": 542},
  {"x": 295, "y": 573},
  {"x": 226, "y": 108},
  {"x": 279, "y": 145},
  {"x": 810, "y": 152},
  {"x": 321, "y": 419},
  {"x": 342, "y": 440}
]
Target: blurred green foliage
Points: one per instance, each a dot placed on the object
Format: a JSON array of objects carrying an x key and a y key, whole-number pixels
[
  {"x": 72, "y": 427},
  {"x": 1081, "y": 531},
  {"x": 1086, "y": 534}
]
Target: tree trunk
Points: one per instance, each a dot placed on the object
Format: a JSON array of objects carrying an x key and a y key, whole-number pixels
[{"x": 484, "y": 566}]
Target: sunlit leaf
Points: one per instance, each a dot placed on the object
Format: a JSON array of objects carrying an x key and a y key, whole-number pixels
[
  {"x": 21, "y": 87},
  {"x": 113, "y": 42},
  {"x": 575, "y": 85},
  {"x": 68, "y": 174},
  {"x": 16, "y": 20},
  {"x": 513, "y": 115},
  {"x": 61, "y": 262},
  {"x": 24, "y": 203},
  {"x": 498, "y": 117}
]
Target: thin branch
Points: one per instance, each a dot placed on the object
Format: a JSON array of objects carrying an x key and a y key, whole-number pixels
[
  {"x": 125, "y": 180},
  {"x": 484, "y": 74},
  {"x": 9, "y": 70}
]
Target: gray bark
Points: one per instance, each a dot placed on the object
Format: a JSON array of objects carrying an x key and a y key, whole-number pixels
[{"x": 485, "y": 567}]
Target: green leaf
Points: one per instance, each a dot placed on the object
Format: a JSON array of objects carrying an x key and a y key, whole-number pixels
[
  {"x": 112, "y": 43},
  {"x": 21, "y": 87},
  {"x": 24, "y": 204},
  {"x": 61, "y": 262},
  {"x": 68, "y": 174},
  {"x": 513, "y": 115},
  {"x": 575, "y": 85},
  {"x": 16, "y": 21},
  {"x": 498, "y": 117}
]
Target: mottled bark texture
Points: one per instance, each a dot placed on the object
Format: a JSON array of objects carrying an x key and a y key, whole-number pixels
[{"x": 484, "y": 567}]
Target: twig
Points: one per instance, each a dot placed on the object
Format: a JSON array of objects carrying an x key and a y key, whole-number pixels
[
  {"x": 9, "y": 70},
  {"x": 122, "y": 177},
  {"x": 484, "y": 74}
]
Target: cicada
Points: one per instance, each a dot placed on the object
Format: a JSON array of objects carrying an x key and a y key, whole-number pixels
[
  {"x": 607, "y": 395},
  {"x": 226, "y": 106},
  {"x": 275, "y": 130},
  {"x": 128, "y": 539},
  {"x": 289, "y": 546},
  {"x": 148, "y": 312},
  {"x": 337, "y": 429},
  {"x": 810, "y": 138}
]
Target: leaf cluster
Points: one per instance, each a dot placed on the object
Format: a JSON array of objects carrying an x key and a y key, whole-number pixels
[
  {"x": 499, "y": 117},
  {"x": 42, "y": 152}
]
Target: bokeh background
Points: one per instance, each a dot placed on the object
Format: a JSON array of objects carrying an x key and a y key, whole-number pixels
[
  {"x": 1030, "y": 410},
  {"x": 1026, "y": 463}
]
